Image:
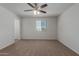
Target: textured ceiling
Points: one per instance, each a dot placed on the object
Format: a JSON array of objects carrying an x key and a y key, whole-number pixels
[{"x": 53, "y": 9}]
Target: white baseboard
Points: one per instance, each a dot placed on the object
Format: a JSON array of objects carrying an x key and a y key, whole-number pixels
[
  {"x": 39, "y": 39},
  {"x": 69, "y": 47},
  {"x": 7, "y": 44}
]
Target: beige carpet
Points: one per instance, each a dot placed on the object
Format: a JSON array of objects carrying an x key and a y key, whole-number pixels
[{"x": 37, "y": 48}]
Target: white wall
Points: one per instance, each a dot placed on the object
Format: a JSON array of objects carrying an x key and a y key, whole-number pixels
[
  {"x": 68, "y": 28},
  {"x": 29, "y": 28},
  {"x": 7, "y": 34}
]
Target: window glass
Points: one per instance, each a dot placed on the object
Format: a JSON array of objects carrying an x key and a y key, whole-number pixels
[{"x": 41, "y": 25}]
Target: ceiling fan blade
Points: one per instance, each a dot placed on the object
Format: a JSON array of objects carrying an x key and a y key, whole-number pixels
[
  {"x": 35, "y": 4},
  {"x": 44, "y": 5},
  {"x": 30, "y": 5},
  {"x": 42, "y": 11},
  {"x": 28, "y": 10}
]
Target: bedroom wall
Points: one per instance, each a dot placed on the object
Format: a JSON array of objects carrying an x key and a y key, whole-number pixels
[
  {"x": 7, "y": 29},
  {"x": 29, "y": 28},
  {"x": 68, "y": 28}
]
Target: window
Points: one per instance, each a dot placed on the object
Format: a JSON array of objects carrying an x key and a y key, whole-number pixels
[{"x": 41, "y": 25}]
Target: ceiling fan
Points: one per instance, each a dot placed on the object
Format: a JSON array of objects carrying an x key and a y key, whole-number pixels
[{"x": 36, "y": 9}]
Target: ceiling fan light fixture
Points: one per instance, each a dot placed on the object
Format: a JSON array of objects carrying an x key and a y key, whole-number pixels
[{"x": 36, "y": 12}]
